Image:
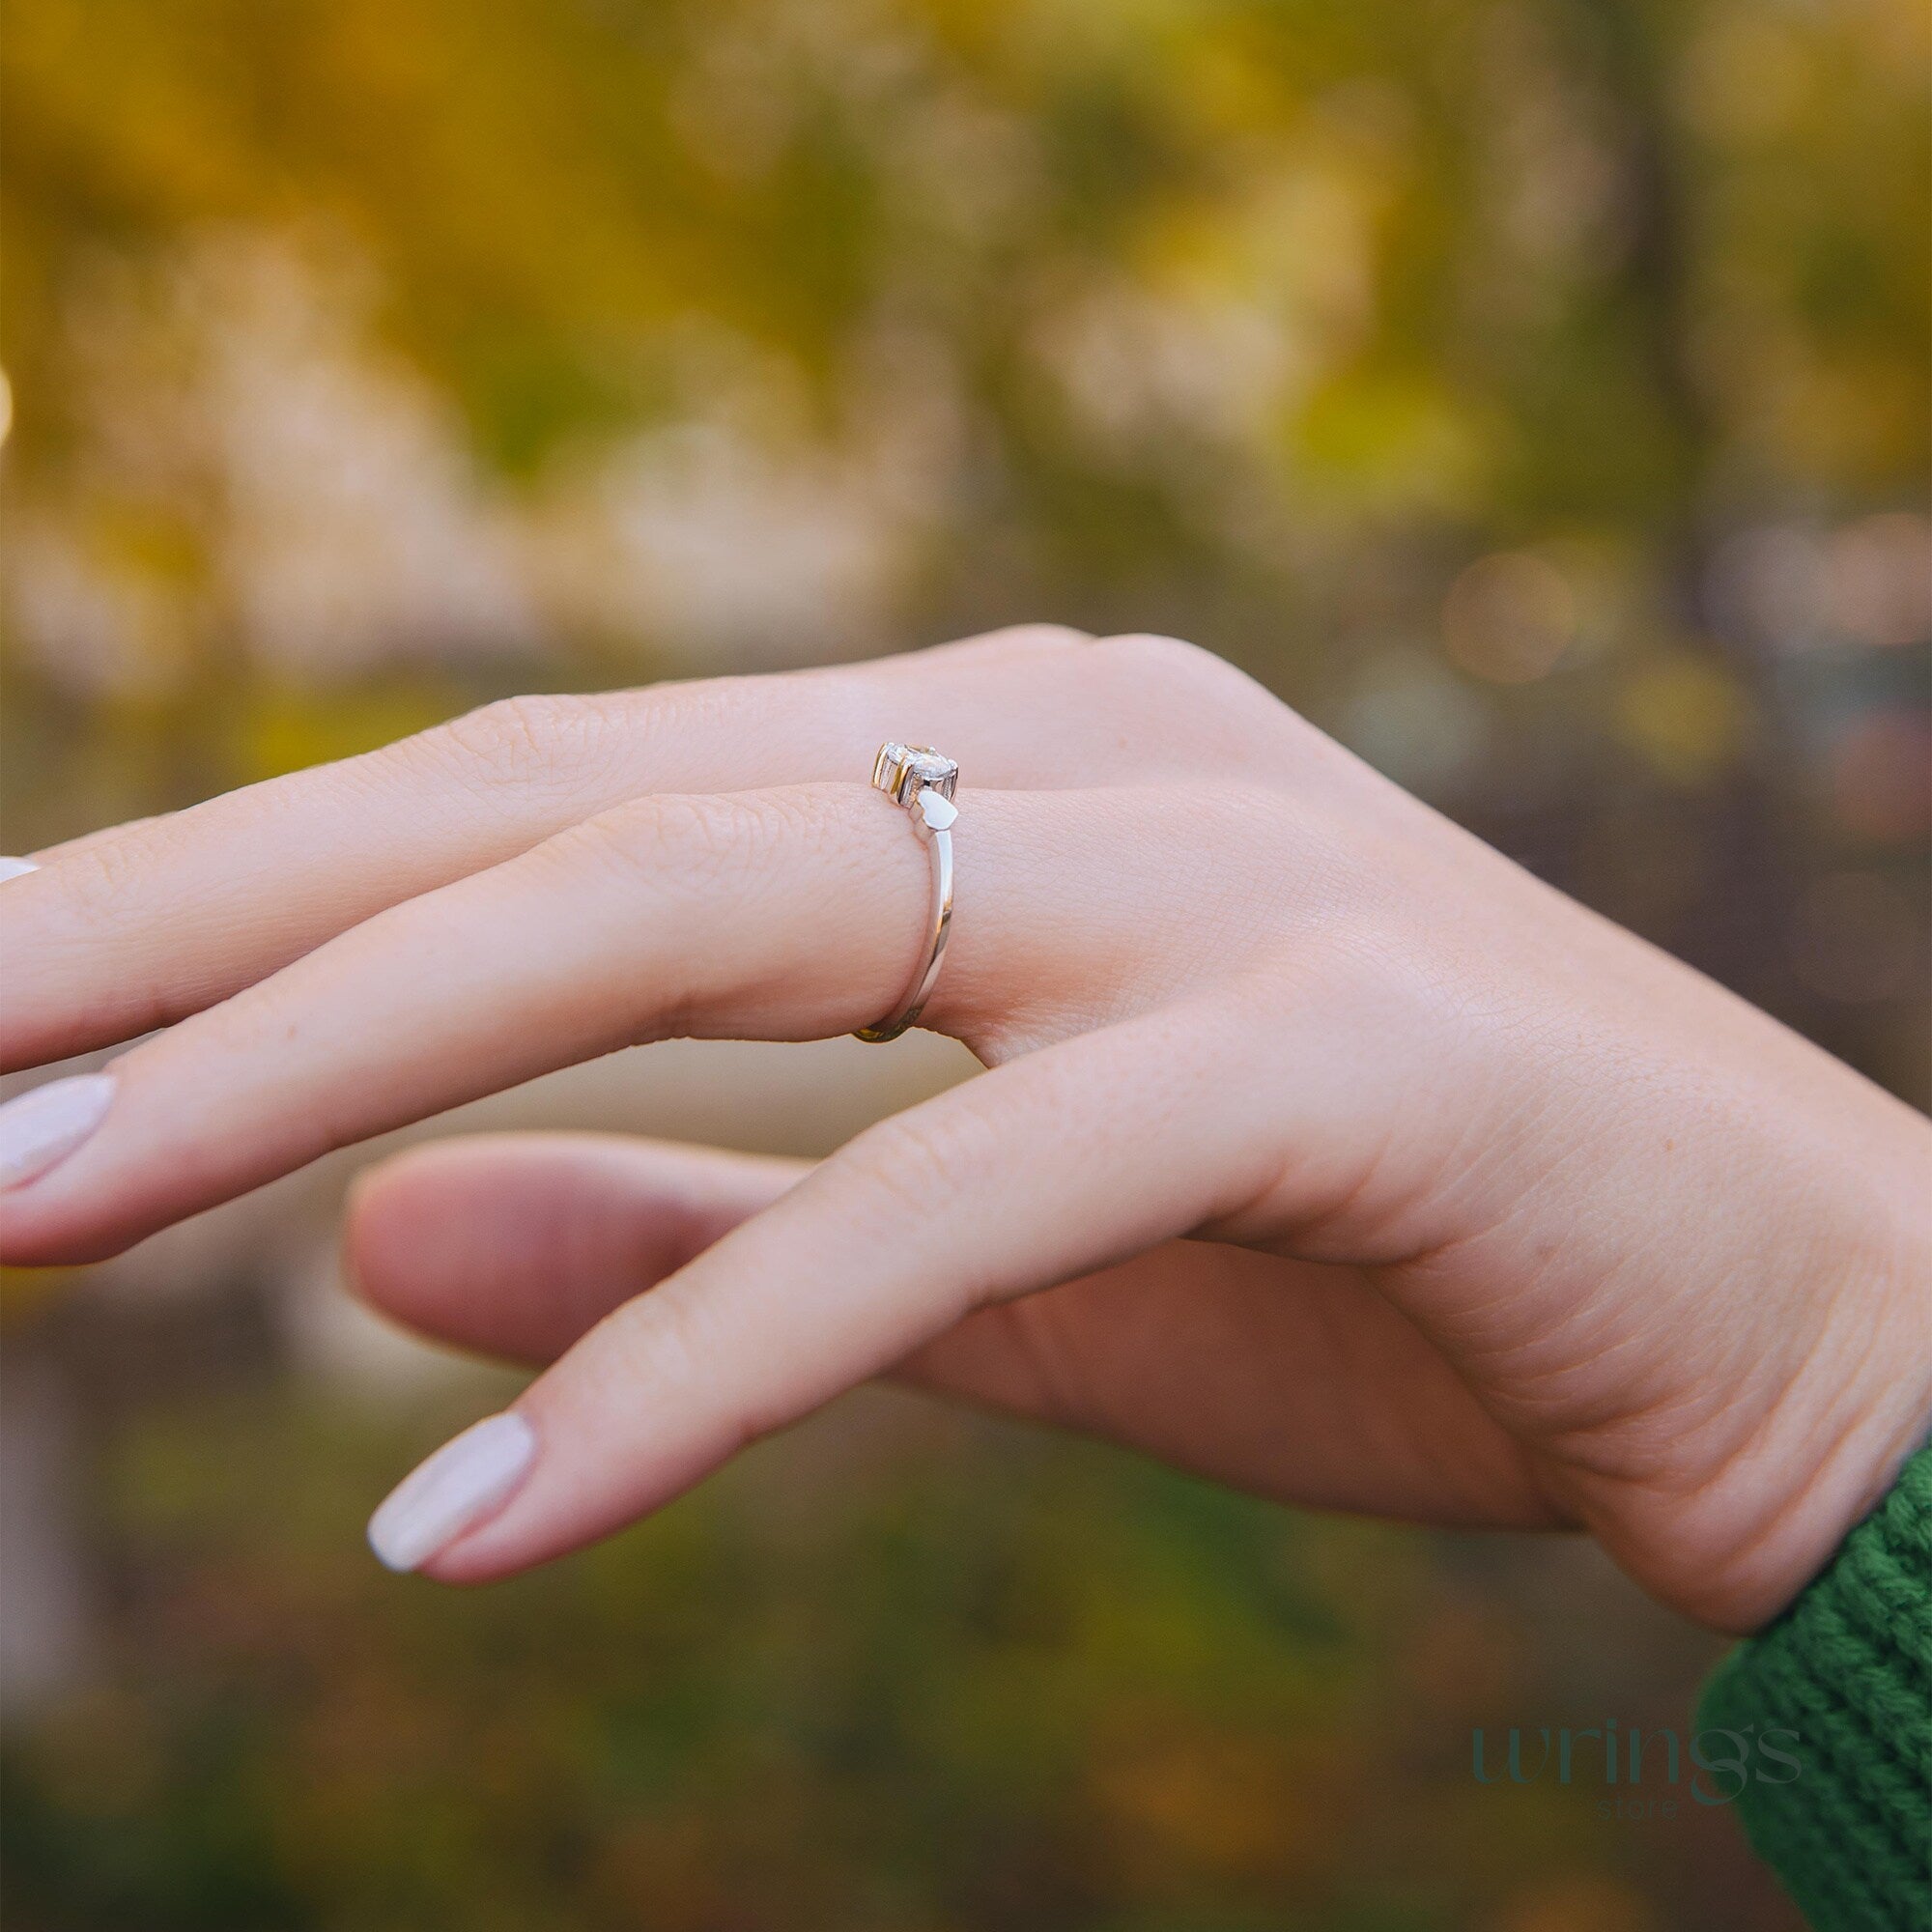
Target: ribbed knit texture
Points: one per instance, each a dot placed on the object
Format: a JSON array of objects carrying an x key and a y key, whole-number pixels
[{"x": 1848, "y": 1668}]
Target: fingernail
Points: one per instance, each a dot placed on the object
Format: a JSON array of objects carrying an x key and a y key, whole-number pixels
[
  {"x": 452, "y": 1492},
  {"x": 46, "y": 1124},
  {"x": 12, "y": 868}
]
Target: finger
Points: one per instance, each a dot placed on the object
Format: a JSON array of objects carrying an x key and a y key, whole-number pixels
[
  {"x": 1286, "y": 1379},
  {"x": 516, "y": 1244},
  {"x": 127, "y": 930},
  {"x": 1056, "y": 1164},
  {"x": 782, "y": 915}
]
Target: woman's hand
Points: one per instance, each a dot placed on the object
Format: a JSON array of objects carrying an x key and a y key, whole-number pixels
[{"x": 1325, "y": 1150}]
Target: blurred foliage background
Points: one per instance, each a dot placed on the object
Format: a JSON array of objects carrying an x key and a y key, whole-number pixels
[{"x": 1532, "y": 391}]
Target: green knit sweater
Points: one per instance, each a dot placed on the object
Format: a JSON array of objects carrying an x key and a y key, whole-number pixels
[{"x": 1848, "y": 1670}]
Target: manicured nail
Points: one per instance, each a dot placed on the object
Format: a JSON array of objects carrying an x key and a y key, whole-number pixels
[
  {"x": 46, "y": 1124},
  {"x": 453, "y": 1491},
  {"x": 12, "y": 868}
]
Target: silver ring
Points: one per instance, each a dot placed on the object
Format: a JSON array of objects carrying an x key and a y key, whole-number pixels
[{"x": 923, "y": 781}]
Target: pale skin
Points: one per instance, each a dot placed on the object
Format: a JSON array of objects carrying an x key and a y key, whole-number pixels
[{"x": 1321, "y": 1150}]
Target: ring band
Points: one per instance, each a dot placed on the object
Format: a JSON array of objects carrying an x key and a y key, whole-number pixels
[{"x": 923, "y": 781}]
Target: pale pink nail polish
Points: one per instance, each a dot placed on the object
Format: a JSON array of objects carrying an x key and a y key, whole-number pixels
[
  {"x": 44, "y": 1125},
  {"x": 453, "y": 1491}
]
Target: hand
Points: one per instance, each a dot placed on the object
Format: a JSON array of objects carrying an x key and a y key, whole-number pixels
[{"x": 1323, "y": 1151}]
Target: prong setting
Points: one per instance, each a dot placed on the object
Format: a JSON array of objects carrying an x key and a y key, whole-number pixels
[
  {"x": 920, "y": 781},
  {"x": 902, "y": 771}
]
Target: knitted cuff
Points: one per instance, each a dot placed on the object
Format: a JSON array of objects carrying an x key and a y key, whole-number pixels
[{"x": 1845, "y": 1675}]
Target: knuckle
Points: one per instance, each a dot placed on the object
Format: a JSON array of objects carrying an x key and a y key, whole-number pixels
[
  {"x": 656, "y": 1341},
  {"x": 671, "y": 1344},
  {"x": 694, "y": 839},
  {"x": 1145, "y": 653},
  {"x": 909, "y": 1167},
  {"x": 1188, "y": 682},
  {"x": 665, "y": 1346},
  {"x": 1042, "y": 636},
  {"x": 535, "y": 740},
  {"x": 98, "y": 880}
]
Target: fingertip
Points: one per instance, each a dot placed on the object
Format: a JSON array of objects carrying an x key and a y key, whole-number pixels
[
  {"x": 513, "y": 1244},
  {"x": 353, "y": 1243},
  {"x": 405, "y": 1235},
  {"x": 451, "y": 1492}
]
